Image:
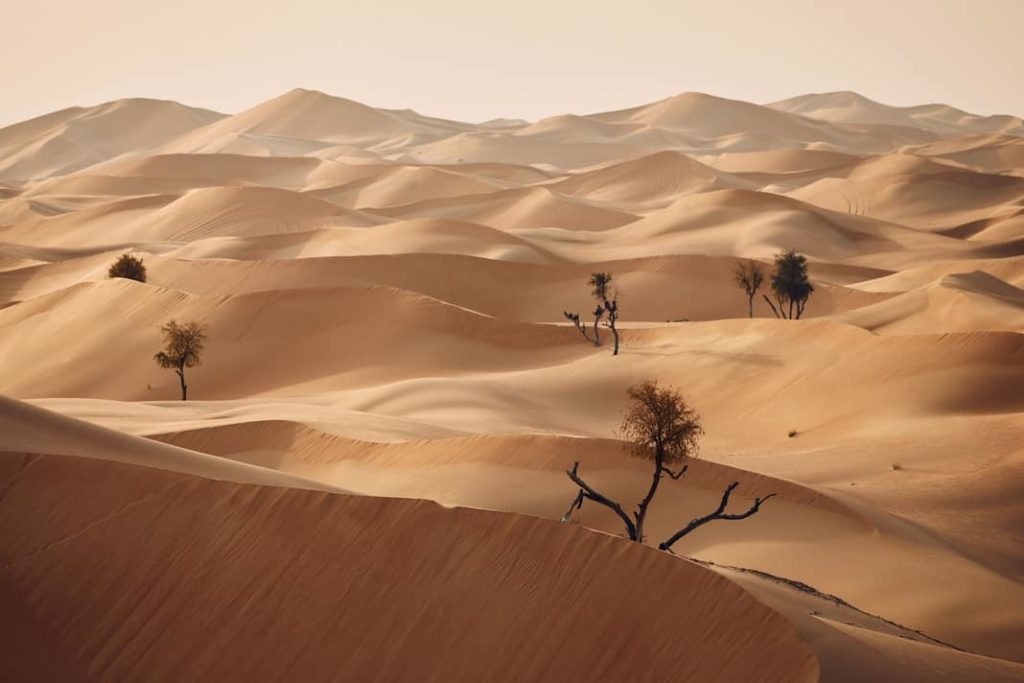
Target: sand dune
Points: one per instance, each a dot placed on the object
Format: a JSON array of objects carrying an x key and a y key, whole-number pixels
[
  {"x": 384, "y": 295},
  {"x": 518, "y": 208},
  {"x": 76, "y": 138},
  {"x": 926, "y": 199},
  {"x": 647, "y": 181},
  {"x": 968, "y": 301},
  {"x": 850, "y": 107},
  {"x": 347, "y": 580},
  {"x": 29, "y": 429}
]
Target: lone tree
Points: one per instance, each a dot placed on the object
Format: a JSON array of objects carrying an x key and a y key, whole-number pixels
[
  {"x": 600, "y": 288},
  {"x": 790, "y": 285},
  {"x": 128, "y": 266},
  {"x": 749, "y": 276},
  {"x": 661, "y": 427},
  {"x": 183, "y": 343}
]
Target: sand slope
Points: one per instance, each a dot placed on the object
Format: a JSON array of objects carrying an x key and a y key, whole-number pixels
[{"x": 282, "y": 583}]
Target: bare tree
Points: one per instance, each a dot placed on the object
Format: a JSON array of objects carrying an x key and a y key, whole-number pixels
[
  {"x": 749, "y": 276},
  {"x": 183, "y": 344},
  {"x": 607, "y": 303},
  {"x": 661, "y": 427},
  {"x": 129, "y": 267},
  {"x": 790, "y": 285}
]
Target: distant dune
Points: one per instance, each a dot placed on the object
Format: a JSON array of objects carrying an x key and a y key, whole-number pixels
[{"x": 366, "y": 479}]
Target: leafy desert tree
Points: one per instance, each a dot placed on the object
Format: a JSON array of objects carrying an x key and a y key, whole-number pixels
[
  {"x": 790, "y": 285},
  {"x": 183, "y": 344},
  {"x": 128, "y": 266},
  {"x": 661, "y": 427},
  {"x": 749, "y": 276}
]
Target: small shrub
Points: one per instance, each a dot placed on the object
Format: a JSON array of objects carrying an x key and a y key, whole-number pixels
[
  {"x": 792, "y": 433},
  {"x": 896, "y": 466},
  {"x": 129, "y": 267}
]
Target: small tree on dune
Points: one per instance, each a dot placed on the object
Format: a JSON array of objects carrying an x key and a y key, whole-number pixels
[
  {"x": 607, "y": 304},
  {"x": 183, "y": 344},
  {"x": 790, "y": 285},
  {"x": 128, "y": 266},
  {"x": 749, "y": 276},
  {"x": 600, "y": 284},
  {"x": 661, "y": 427}
]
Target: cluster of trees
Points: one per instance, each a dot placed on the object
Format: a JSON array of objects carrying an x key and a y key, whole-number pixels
[
  {"x": 607, "y": 305},
  {"x": 789, "y": 284},
  {"x": 662, "y": 428}
]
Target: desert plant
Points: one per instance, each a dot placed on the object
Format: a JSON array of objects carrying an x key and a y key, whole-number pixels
[
  {"x": 790, "y": 285},
  {"x": 599, "y": 283},
  {"x": 607, "y": 304},
  {"x": 661, "y": 427},
  {"x": 128, "y": 266},
  {"x": 749, "y": 276},
  {"x": 183, "y": 344}
]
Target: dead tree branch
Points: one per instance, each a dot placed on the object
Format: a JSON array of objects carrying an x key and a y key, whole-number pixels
[
  {"x": 577, "y": 504},
  {"x": 589, "y": 493},
  {"x": 675, "y": 475},
  {"x": 719, "y": 513}
]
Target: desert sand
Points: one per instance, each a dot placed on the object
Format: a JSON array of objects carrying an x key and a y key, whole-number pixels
[{"x": 367, "y": 479}]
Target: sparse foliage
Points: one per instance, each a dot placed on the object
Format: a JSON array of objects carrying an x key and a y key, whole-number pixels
[
  {"x": 183, "y": 345},
  {"x": 749, "y": 276},
  {"x": 599, "y": 284},
  {"x": 128, "y": 266},
  {"x": 790, "y": 285},
  {"x": 661, "y": 427}
]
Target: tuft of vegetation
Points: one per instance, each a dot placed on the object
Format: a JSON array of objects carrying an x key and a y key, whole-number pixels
[
  {"x": 896, "y": 466},
  {"x": 183, "y": 344},
  {"x": 790, "y": 285},
  {"x": 749, "y": 276},
  {"x": 660, "y": 427},
  {"x": 128, "y": 266},
  {"x": 792, "y": 433}
]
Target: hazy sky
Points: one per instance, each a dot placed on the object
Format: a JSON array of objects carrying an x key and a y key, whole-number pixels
[{"x": 475, "y": 60}]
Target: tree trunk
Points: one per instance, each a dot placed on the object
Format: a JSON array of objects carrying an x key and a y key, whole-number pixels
[
  {"x": 641, "y": 511},
  {"x": 615, "y": 333},
  {"x": 750, "y": 305},
  {"x": 597, "y": 335},
  {"x": 184, "y": 387}
]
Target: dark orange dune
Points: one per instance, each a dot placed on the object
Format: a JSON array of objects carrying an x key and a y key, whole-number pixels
[{"x": 136, "y": 574}]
